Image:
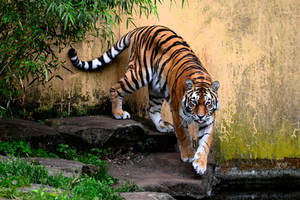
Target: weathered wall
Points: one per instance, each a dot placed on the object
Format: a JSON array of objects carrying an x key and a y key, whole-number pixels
[{"x": 251, "y": 46}]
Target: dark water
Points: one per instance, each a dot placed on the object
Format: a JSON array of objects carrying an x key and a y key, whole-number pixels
[
  {"x": 277, "y": 189},
  {"x": 268, "y": 195}
]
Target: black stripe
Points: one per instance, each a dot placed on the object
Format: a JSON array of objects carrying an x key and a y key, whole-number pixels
[
  {"x": 146, "y": 67},
  {"x": 155, "y": 97},
  {"x": 116, "y": 47},
  {"x": 108, "y": 53},
  {"x": 200, "y": 77},
  {"x": 168, "y": 97},
  {"x": 119, "y": 94},
  {"x": 155, "y": 102},
  {"x": 123, "y": 87},
  {"x": 90, "y": 64},
  {"x": 141, "y": 72},
  {"x": 163, "y": 89},
  {"x": 185, "y": 69},
  {"x": 134, "y": 80},
  {"x": 76, "y": 63},
  {"x": 171, "y": 46},
  {"x": 83, "y": 64},
  {"x": 157, "y": 46},
  {"x": 123, "y": 41},
  {"x": 138, "y": 36},
  {"x": 128, "y": 84},
  {"x": 196, "y": 72},
  {"x": 171, "y": 57},
  {"x": 148, "y": 35},
  {"x": 101, "y": 60},
  {"x": 155, "y": 111},
  {"x": 168, "y": 39},
  {"x": 155, "y": 35},
  {"x": 112, "y": 90},
  {"x": 179, "y": 51}
]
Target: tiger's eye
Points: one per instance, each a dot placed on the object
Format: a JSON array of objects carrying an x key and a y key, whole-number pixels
[
  {"x": 189, "y": 109},
  {"x": 208, "y": 103}
]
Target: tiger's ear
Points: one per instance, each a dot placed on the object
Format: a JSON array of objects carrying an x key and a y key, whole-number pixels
[
  {"x": 189, "y": 83},
  {"x": 215, "y": 86}
]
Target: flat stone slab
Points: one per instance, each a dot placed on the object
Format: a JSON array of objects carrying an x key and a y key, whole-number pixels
[
  {"x": 22, "y": 129},
  {"x": 146, "y": 196},
  {"x": 56, "y": 166},
  {"x": 84, "y": 132},
  {"x": 33, "y": 187},
  {"x": 165, "y": 172}
]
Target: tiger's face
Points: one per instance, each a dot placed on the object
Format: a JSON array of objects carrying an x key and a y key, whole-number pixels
[{"x": 199, "y": 103}]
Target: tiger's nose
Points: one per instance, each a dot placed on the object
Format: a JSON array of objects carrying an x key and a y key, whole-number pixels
[{"x": 201, "y": 117}]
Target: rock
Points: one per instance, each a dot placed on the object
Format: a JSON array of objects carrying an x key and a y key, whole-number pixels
[
  {"x": 146, "y": 196},
  {"x": 55, "y": 166},
  {"x": 18, "y": 129},
  {"x": 165, "y": 172},
  {"x": 34, "y": 187},
  {"x": 108, "y": 132},
  {"x": 86, "y": 132},
  {"x": 91, "y": 170}
]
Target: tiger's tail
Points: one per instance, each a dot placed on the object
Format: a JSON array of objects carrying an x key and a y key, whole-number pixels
[{"x": 105, "y": 58}]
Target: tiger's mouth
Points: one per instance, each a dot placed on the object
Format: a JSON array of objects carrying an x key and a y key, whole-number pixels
[{"x": 200, "y": 121}]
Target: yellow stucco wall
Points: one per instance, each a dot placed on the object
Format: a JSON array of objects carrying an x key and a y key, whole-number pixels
[{"x": 251, "y": 46}]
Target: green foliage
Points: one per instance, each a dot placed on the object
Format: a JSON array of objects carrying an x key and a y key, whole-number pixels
[
  {"x": 15, "y": 148},
  {"x": 44, "y": 194},
  {"x": 32, "y": 31},
  {"x": 128, "y": 186},
  {"x": 67, "y": 152},
  {"x": 23, "y": 149},
  {"x": 15, "y": 173},
  {"x": 18, "y": 173},
  {"x": 94, "y": 156},
  {"x": 148, "y": 145},
  {"x": 95, "y": 188}
]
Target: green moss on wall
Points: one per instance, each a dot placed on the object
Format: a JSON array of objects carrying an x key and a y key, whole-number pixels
[{"x": 241, "y": 139}]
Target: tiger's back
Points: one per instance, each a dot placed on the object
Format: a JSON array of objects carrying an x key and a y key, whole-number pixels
[{"x": 163, "y": 61}]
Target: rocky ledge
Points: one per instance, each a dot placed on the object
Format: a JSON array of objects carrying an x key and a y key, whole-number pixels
[
  {"x": 158, "y": 171},
  {"x": 153, "y": 172},
  {"x": 86, "y": 132},
  {"x": 165, "y": 172}
]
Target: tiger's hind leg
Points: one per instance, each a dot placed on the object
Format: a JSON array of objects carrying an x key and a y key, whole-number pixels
[
  {"x": 155, "y": 104},
  {"x": 126, "y": 85}
]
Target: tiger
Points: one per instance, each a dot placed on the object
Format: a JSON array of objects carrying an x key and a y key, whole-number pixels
[{"x": 163, "y": 61}]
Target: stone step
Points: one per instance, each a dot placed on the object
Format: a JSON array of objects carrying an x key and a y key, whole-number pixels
[
  {"x": 146, "y": 196},
  {"x": 88, "y": 132}
]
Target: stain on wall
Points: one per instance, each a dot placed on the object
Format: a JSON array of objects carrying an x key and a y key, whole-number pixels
[{"x": 251, "y": 46}]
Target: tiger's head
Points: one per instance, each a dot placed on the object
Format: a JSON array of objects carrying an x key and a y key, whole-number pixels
[{"x": 199, "y": 102}]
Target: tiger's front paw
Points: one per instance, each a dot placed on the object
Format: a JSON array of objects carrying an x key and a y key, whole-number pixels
[
  {"x": 164, "y": 127},
  {"x": 121, "y": 115},
  {"x": 187, "y": 155},
  {"x": 200, "y": 164},
  {"x": 199, "y": 167}
]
